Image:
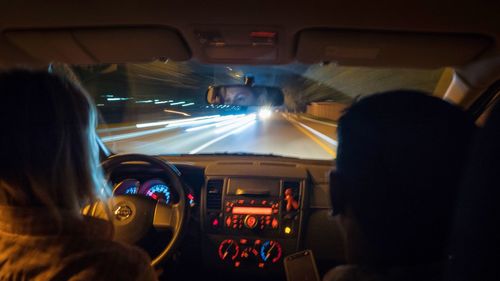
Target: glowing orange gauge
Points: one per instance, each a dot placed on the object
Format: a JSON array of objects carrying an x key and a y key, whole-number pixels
[
  {"x": 270, "y": 251},
  {"x": 228, "y": 249}
]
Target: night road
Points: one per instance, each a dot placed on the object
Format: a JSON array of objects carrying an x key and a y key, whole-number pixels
[{"x": 279, "y": 134}]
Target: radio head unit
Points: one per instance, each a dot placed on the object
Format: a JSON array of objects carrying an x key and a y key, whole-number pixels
[{"x": 258, "y": 207}]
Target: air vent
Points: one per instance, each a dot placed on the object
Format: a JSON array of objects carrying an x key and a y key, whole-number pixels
[{"x": 214, "y": 194}]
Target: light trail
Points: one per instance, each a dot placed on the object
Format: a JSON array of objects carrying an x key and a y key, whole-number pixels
[
  {"x": 198, "y": 122},
  {"x": 179, "y": 123},
  {"x": 240, "y": 122},
  {"x": 239, "y": 130},
  {"x": 161, "y": 123},
  {"x": 177, "y": 103},
  {"x": 219, "y": 124},
  {"x": 176, "y": 112},
  {"x": 133, "y": 135},
  {"x": 103, "y": 129}
]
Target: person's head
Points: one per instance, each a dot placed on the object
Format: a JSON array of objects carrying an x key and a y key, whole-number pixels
[
  {"x": 49, "y": 151},
  {"x": 238, "y": 95},
  {"x": 399, "y": 161}
]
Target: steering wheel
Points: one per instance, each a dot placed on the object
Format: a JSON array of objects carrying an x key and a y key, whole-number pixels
[{"x": 133, "y": 216}]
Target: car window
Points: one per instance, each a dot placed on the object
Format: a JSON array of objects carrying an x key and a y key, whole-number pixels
[{"x": 161, "y": 108}]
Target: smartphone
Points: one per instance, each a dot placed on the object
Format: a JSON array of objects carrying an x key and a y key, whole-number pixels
[{"x": 301, "y": 266}]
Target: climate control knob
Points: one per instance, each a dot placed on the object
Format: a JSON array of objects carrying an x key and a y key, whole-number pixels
[{"x": 251, "y": 221}]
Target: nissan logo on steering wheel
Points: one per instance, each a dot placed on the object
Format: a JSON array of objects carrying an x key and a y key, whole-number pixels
[{"x": 122, "y": 212}]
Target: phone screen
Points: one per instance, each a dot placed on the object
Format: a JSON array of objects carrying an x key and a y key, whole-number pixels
[{"x": 301, "y": 267}]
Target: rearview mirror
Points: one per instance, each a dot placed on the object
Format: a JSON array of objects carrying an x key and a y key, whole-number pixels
[{"x": 244, "y": 95}]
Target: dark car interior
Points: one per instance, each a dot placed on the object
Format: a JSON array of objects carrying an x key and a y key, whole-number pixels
[{"x": 235, "y": 215}]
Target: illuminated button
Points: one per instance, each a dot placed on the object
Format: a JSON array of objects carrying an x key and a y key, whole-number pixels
[
  {"x": 274, "y": 224},
  {"x": 243, "y": 241},
  {"x": 252, "y": 202},
  {"x": 237, "y": 264},
  {"x": 215, "y": 223},
  {"x": 228, "y": 221},
  {"x": 275, "y": 211},
  {"x": 261, "y": 265},
  {"x": 251, "y": 222},
  {"x": 228, "y": 210},
  {"x": 235, "y": 226},
  {"x": 264, "y": 202},
  {"x": 288, "y": 230},
  {"x": 241, "y": 202}
]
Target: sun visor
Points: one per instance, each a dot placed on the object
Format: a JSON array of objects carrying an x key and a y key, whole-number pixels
[
  {"x": 100, "y": 45},
  {"x": 368, "y": 48}
]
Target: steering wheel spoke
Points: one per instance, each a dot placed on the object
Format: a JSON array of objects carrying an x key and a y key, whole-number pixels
[{"x": 166, "y": 216}]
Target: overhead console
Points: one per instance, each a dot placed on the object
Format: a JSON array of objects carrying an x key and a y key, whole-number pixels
[
  {"x": 244, "y": 44},
  {"x": 252, "y": 217}
]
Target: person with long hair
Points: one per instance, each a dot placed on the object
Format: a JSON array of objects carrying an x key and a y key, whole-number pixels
[{"x": 49, "y": 171}]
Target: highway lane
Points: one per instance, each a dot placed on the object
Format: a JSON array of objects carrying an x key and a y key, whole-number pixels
[{"x": 280, "y": 134}]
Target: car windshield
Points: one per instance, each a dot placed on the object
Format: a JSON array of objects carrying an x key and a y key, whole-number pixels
[{"x": 161, "y": 108}]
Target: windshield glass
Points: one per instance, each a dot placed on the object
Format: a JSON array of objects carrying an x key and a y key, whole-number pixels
[{"x": 161, "y": 107}]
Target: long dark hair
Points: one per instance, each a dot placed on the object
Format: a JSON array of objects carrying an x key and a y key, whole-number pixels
[{"x": 49, "y": 151}]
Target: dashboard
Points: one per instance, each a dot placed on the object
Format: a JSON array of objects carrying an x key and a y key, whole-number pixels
[{"x": 247, "y": 214}]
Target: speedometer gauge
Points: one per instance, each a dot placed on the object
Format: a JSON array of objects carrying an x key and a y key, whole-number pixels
[
  {"x": 156, "y": 189},
  {"x": 127, "y": 187}
]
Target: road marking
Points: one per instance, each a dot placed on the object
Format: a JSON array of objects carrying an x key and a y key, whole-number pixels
[
  {"x": 318, "y": 121},
  {"x": 314, "y": 138},
  {"x": 320, "y": 135}
]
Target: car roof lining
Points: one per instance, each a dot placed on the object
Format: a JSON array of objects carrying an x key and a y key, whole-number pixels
[{"x": 288, "y": 18}]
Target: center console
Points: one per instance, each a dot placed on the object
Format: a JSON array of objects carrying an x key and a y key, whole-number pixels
[{"x": 250, "y": 222}]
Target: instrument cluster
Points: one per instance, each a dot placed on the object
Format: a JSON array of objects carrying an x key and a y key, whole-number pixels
[{"x": 156, "y": 189}]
